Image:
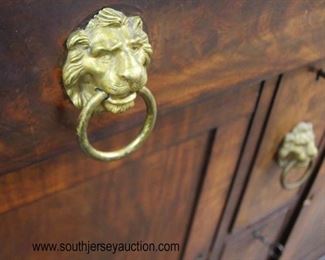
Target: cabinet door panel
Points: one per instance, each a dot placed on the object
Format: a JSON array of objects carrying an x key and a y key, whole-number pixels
[
  {"x": 307, "y": 240},
  {"x": 246, "y": 246},
  {"x": 149, "y": 195},
  {"x": 150, "y": 200},
  {"x": 300, "y": 97},
  {"x": 220, "y": 171}
]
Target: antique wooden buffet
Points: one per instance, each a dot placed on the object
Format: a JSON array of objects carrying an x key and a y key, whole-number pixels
[{"x": 233, "y": 168}]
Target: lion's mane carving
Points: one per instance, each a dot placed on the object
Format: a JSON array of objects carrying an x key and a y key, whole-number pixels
[{"x": 110, "y": 54}]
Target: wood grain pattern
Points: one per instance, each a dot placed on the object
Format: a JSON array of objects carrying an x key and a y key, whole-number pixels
[
  {"x": 58, "y": 173},
  {"x": 299, "y": 99},
  {"x": 149, "y": 200},
  {"x": 262, "y": 109},
  {"x": 246, "y": 246},
  {"x": 307, "y": 239},
  {"x": 222, "y": 163},
  {"x": 209, "y": 57},
  {"x": 200, "y": 48}
]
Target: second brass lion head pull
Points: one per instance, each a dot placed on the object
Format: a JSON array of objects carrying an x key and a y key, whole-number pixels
[
  {"x": 298, "y": 150},
  {"x": 105, "y": 69}
]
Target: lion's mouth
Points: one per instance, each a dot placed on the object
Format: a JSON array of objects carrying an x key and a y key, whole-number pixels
[
  {"x": 118, "y": 100},
  {"x": 118, "y": 104}
]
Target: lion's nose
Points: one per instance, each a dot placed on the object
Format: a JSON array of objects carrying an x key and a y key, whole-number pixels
[{"x": 132, "y": 75}]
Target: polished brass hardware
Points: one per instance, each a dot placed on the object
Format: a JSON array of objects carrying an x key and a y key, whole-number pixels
[
  {"x": 105, "y": 69},
  {"x": 298, "y": 150},
  {"x": 89, "y": 109}
]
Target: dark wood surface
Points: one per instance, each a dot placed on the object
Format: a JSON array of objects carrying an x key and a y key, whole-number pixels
[
  {"x": 34, "y": 188},
  {"x": 199, "y": 48},
  {"x": 245, "y": 246},
  {"x": 209, "y": 58},
  {"x": 150, "y": 200},
  {"x": 57, "y": 173},
  {"x": 307, "y": 239},
  {"x": 299, "y": 98},
  {"x": 263, "y": 106},
  {"x": 221, "y": 166},
  {"x": 39, "y": 196}
]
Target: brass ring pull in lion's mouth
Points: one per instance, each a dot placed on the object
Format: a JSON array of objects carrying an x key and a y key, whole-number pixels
[
  {"x": 289, "y": 185},
  {"x": 90, "y": 108},
  {"x": 110, "y": 55}
]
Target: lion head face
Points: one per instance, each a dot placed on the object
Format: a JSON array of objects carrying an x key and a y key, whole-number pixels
[
  {"x": 298, "y": 145},
  {"x": 110, "y": 54}
]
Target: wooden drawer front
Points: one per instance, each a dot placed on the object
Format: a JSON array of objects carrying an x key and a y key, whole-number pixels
[
  {"x": 57, "y": 173},
  {"x": 245, "y": 245},
  {"x": 300, "y": 97},
  {"x": 129, "y": 204},
  {"x": 199, "y": 47}
]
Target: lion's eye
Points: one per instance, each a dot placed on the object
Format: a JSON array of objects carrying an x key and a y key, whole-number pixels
[
  {"x": 135, "y": 46},
  {"x": 100, "y": 52}
]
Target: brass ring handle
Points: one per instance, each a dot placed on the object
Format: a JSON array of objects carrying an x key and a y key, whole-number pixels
[
  {"x": 91, "y": 107},
  {"x": 105, "y": 68},
  {"x": 296, "y": 184},
  {"x": 298, "y": 150}
]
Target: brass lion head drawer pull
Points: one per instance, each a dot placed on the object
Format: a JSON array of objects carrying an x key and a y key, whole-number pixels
[
  {"x": 104, "y": 70},
  {"x": 298, "y": 150}
]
